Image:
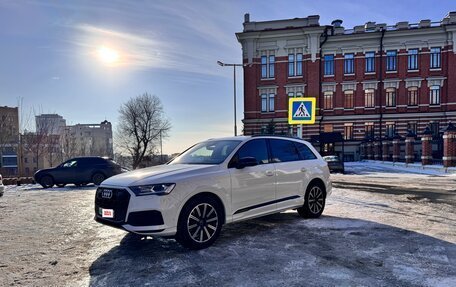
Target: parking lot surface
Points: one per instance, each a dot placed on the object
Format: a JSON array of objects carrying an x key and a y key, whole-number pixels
[{"x": 381, "y": 227}]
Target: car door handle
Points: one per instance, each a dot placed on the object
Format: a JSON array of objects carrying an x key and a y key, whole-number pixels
[
  {"x": 269, "y": 173},
  {"x": 303, "y": 169}
]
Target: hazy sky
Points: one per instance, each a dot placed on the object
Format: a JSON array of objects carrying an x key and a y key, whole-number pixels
[{"x": 57, "y": 55}]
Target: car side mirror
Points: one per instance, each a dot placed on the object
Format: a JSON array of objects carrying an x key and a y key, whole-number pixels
[{"x": 246, "y": 161}]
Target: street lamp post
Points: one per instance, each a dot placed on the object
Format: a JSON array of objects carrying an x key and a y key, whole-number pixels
[{"x": 234, "y": 78}]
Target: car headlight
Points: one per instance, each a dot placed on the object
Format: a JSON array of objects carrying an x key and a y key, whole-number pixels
[{"x": 153, "y": 189}]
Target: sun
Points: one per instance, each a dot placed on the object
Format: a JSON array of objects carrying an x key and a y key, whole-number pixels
[{"x": 108, "y": 55}]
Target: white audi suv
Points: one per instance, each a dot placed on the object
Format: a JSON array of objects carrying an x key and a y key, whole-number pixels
[{"x": 216, "y": 182}]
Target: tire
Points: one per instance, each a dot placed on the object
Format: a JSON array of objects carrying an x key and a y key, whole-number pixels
[
  {"x": 61, "y": 185},
  {"x": 314, "y": 203},
  {"x": 200, "y": 223},
  {"x": 47, "y": 181},
  {"x": 98, "y": 178}
]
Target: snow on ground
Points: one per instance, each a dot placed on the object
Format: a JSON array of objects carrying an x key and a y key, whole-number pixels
[
  {"x": 381, "y": 227},
  {"x": 400, "y": 167}
]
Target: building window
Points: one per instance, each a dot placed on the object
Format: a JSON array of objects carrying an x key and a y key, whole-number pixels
[
  {"x": 391, "y": 97},
  {"x": 348, "y": 131},
  {"x": 348, "y": 100},
  {"x": 412, "y": 126},
  {"x": 329, "y": 64},
  {"x": 299, "y": 64},
  {"x": 267, "y": 102},
  {"x": 271, "y": 66},
  {"x": 413, "y": 96},
  {"x": 434, "y": 95},
  {"x": 391, "y": 58},
  {"x": 267, "y": 66},
  {"x": 435, "y": 57},
  {"x": 370, "y": 62},
  {"x": 369, "y": 130},
  {"x": 271, "y": 102},
  {"x": 328, "y": 128},
  {"x": 369, "y": 98},
  {"x": 295, "y": 65},
  {"x": 349, "y": 67},
  {"x": 264, "y": 103},
  {"x": 264, "y": 67},
  {"x": 291, "y": 65},
  {"x": 291, "y": 94},
  {"x": 390, "y": 129},
  {"x": 413, "y": 59},
  {"x": 328, "y": 101}
]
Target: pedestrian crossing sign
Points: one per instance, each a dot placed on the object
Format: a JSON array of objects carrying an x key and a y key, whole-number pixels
[{"x": 301, "y": 111}]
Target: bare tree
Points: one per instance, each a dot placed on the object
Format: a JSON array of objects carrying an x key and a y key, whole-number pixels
[
  {"x": 142, "y": 124},
  {"x": 68, "y": 142},
  {"x": 54, "y": 149},
  {"x": 35, "y": 145}
]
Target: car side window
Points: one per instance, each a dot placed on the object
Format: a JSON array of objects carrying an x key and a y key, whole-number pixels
[
  {"x": 71, "y": 163},
  {"x": 255, "y": 148},
  {"x": 283, "y": 151},
  {"x": 304, "y": 151}
]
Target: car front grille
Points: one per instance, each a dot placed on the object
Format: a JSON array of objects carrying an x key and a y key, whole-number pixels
[{"x": 112, "y": 198}]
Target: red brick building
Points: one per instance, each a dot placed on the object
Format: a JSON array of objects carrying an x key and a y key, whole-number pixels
[{"x": 371, "y": 82}]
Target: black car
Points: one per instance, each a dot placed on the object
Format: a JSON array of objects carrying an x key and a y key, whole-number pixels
[
  {"x": 334, "y": 163},
  {"x": 79, "y": 171}
]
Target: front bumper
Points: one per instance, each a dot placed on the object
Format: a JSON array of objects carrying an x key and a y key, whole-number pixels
[{"x": 131, "y": 213}]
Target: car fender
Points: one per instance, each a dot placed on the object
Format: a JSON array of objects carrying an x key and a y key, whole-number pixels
[{"x": 220, "y": 188}]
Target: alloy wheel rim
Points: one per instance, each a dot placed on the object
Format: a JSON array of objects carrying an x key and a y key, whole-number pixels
[
  {"x": 47, "y": 181},
  {"x": 98, "y": 178},
  {"x": 202, "y": 222},
  {"x": 316, "y": 200}
]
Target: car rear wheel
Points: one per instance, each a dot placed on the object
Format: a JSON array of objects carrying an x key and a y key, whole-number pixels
[
  {"x": 314, "y": 203},
  {"x": 47, "y": 181},
  {"x": 98, "y": 178},
  {"x": 200, "y": 223}
]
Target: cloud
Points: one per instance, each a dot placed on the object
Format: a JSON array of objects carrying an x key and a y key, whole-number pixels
[
  {"x": 150, "y": 50},
  {"x": 135, "y": 51}
]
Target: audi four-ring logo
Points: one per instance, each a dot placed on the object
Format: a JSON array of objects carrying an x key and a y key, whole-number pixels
[{"x": 106, "y": 193}]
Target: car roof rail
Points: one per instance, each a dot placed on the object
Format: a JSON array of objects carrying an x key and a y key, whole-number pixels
[{"x": 279, "y": 136}]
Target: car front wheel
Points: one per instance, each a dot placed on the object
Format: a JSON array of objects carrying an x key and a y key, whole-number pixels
[
  {"x": 314, "y": 203},
  {"x": 200, "y": 223},
  {"x": 98, "y": 178},
  {"x": 47, "y": 181}
]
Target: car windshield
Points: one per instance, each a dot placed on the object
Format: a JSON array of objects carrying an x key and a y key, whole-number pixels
[{"x": 209, "y": 152}]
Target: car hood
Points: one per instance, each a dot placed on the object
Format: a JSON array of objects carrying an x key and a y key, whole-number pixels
[
  {"x": 156, "y": 174},
  {"x": 40, "y": 171}
]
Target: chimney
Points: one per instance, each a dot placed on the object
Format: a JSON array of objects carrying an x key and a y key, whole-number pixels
[{"x": 246, "y": 18}]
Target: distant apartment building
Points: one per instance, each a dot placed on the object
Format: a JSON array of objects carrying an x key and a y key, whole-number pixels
[
  {"x": 9, "y": 140},
  {"x": 371, "y": 83},
  {"x": 88, "y": 140},
  {"x": 50, "y": 124}
]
